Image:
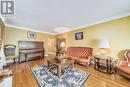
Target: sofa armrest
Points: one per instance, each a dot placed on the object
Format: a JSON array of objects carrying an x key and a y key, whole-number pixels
[
  {"x": 65, "y": 53},
  {"x": 121, "y": 63}
]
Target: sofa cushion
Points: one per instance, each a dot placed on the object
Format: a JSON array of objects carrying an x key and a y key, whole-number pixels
[
  {"x": 79, "y": 51},
  {"x": 83, "y": 59},
  {"x": 125, "y": 69}
]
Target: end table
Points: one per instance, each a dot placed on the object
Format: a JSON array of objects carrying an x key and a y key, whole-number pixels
[{"x": 103, "y": 63}]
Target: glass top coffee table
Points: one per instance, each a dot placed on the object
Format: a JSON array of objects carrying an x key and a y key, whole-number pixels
[{"x": 60, "y": 64}]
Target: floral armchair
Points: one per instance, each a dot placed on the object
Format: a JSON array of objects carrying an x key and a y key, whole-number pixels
[{"x": 123, "y": 67}]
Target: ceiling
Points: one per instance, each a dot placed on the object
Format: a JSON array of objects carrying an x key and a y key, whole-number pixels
[{"x": 48, "y": 15}]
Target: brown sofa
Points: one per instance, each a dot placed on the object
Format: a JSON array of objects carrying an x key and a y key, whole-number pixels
[
  {"x": 123, "y": 67},
  {"x": 82, "y": 55}
]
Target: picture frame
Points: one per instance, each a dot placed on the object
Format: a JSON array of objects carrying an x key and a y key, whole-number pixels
[
  {"x": 31, "y": 35},
  {"x": 79, "y": 36}
]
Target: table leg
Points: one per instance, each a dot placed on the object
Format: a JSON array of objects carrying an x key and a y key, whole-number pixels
[
  {"x": 98, "y": 65},
  {"x": 108, "y": 67},
  {"x": 75, "y": 62},
  {"x": 73, "y": 65},
  {"x": 59, "y": 70},
  {"x": 48, "y": 63},
  {"x": 95, "y": 63},
  {"x": 26, "y": 58}
]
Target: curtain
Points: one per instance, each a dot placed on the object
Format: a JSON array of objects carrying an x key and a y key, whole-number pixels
[{"x": 2, "y": 56}]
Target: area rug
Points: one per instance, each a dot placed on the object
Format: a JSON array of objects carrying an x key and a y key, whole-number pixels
[{"x": 47, "y": 77}]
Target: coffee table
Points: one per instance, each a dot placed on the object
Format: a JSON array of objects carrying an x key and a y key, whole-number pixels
[{"x": 60, "y": 64}]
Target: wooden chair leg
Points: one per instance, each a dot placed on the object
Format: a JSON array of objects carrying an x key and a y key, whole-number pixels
[
  {"x": 87, "y": 65},
  {"x": 14, "y": 60},
  {"x": 75, "y": 62}
]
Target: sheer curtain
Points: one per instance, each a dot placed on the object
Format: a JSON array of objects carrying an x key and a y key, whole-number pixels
[{"x": 2, "y": 56}]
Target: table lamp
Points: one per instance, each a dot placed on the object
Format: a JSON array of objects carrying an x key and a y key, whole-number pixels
[
  {"x": 62, "y": 45},
  {"x": 103, "y": 46},
  {"x": 61, "y": 51}
]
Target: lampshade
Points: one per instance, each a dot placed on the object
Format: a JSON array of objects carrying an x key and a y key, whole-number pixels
[
  {"x": 103, "y": 44},
  {"x": 62, "y": 44}
]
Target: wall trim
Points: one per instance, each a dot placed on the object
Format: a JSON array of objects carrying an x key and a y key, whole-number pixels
[
  {"x": 87, "y": 25},
  {"x": 99, "y": 22},
  {"x": 52, "y": 53},
  {"x": 23, "y": 28},
  {"x": 46, "y": 55}
]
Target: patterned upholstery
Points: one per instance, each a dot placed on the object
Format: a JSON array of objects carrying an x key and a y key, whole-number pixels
[
  {"x": 80, "y": 54},
  {"x": 9, "y": 51},
  {"x": 127, "y": 56},
  {"x": 123, "y": 67}
]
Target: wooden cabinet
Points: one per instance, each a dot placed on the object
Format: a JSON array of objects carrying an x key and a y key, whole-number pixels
[{"x": 30, "y": 47}]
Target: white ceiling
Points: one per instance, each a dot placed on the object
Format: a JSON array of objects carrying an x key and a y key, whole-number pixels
[{"x": 46, "y": 15}]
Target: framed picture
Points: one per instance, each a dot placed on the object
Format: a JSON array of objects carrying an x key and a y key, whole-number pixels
[
  {"x": 79, "y": 36},
  {"x": 31, "y": 35}
]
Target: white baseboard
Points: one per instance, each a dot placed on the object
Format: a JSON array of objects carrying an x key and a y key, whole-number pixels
[
  {"x": 46, "y": 55},
  {"x": 52, "y": 53}
]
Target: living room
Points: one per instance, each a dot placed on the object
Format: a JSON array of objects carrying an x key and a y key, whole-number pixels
[{"x": 65, "y": 45}]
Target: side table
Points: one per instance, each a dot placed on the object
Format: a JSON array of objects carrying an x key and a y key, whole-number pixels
[{"x": 103, "y": 63}]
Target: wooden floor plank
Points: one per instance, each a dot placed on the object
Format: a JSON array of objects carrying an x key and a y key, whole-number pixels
[{"x": 23, "y": 76}]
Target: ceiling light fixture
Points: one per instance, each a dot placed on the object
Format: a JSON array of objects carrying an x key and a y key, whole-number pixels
[{"x": 61, "y": 29}]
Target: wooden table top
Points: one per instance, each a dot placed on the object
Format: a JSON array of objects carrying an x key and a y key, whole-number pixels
[
  {"x": 64, "y": 61},
  {"x": 103, "y": 57}
]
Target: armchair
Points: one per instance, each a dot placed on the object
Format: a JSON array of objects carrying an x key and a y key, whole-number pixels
[
  {"x": 9, "y": 51},
  {"x": 123, "y": 67}
]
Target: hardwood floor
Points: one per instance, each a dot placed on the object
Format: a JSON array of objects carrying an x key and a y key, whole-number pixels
[{"x": 23, "y": 77}]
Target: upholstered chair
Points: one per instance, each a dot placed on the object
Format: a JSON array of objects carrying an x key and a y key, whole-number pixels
[
  {"x": 123, "y": 67},
  {"x": 9, "y": 51},
  {"x": 127, "y": 56}
]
